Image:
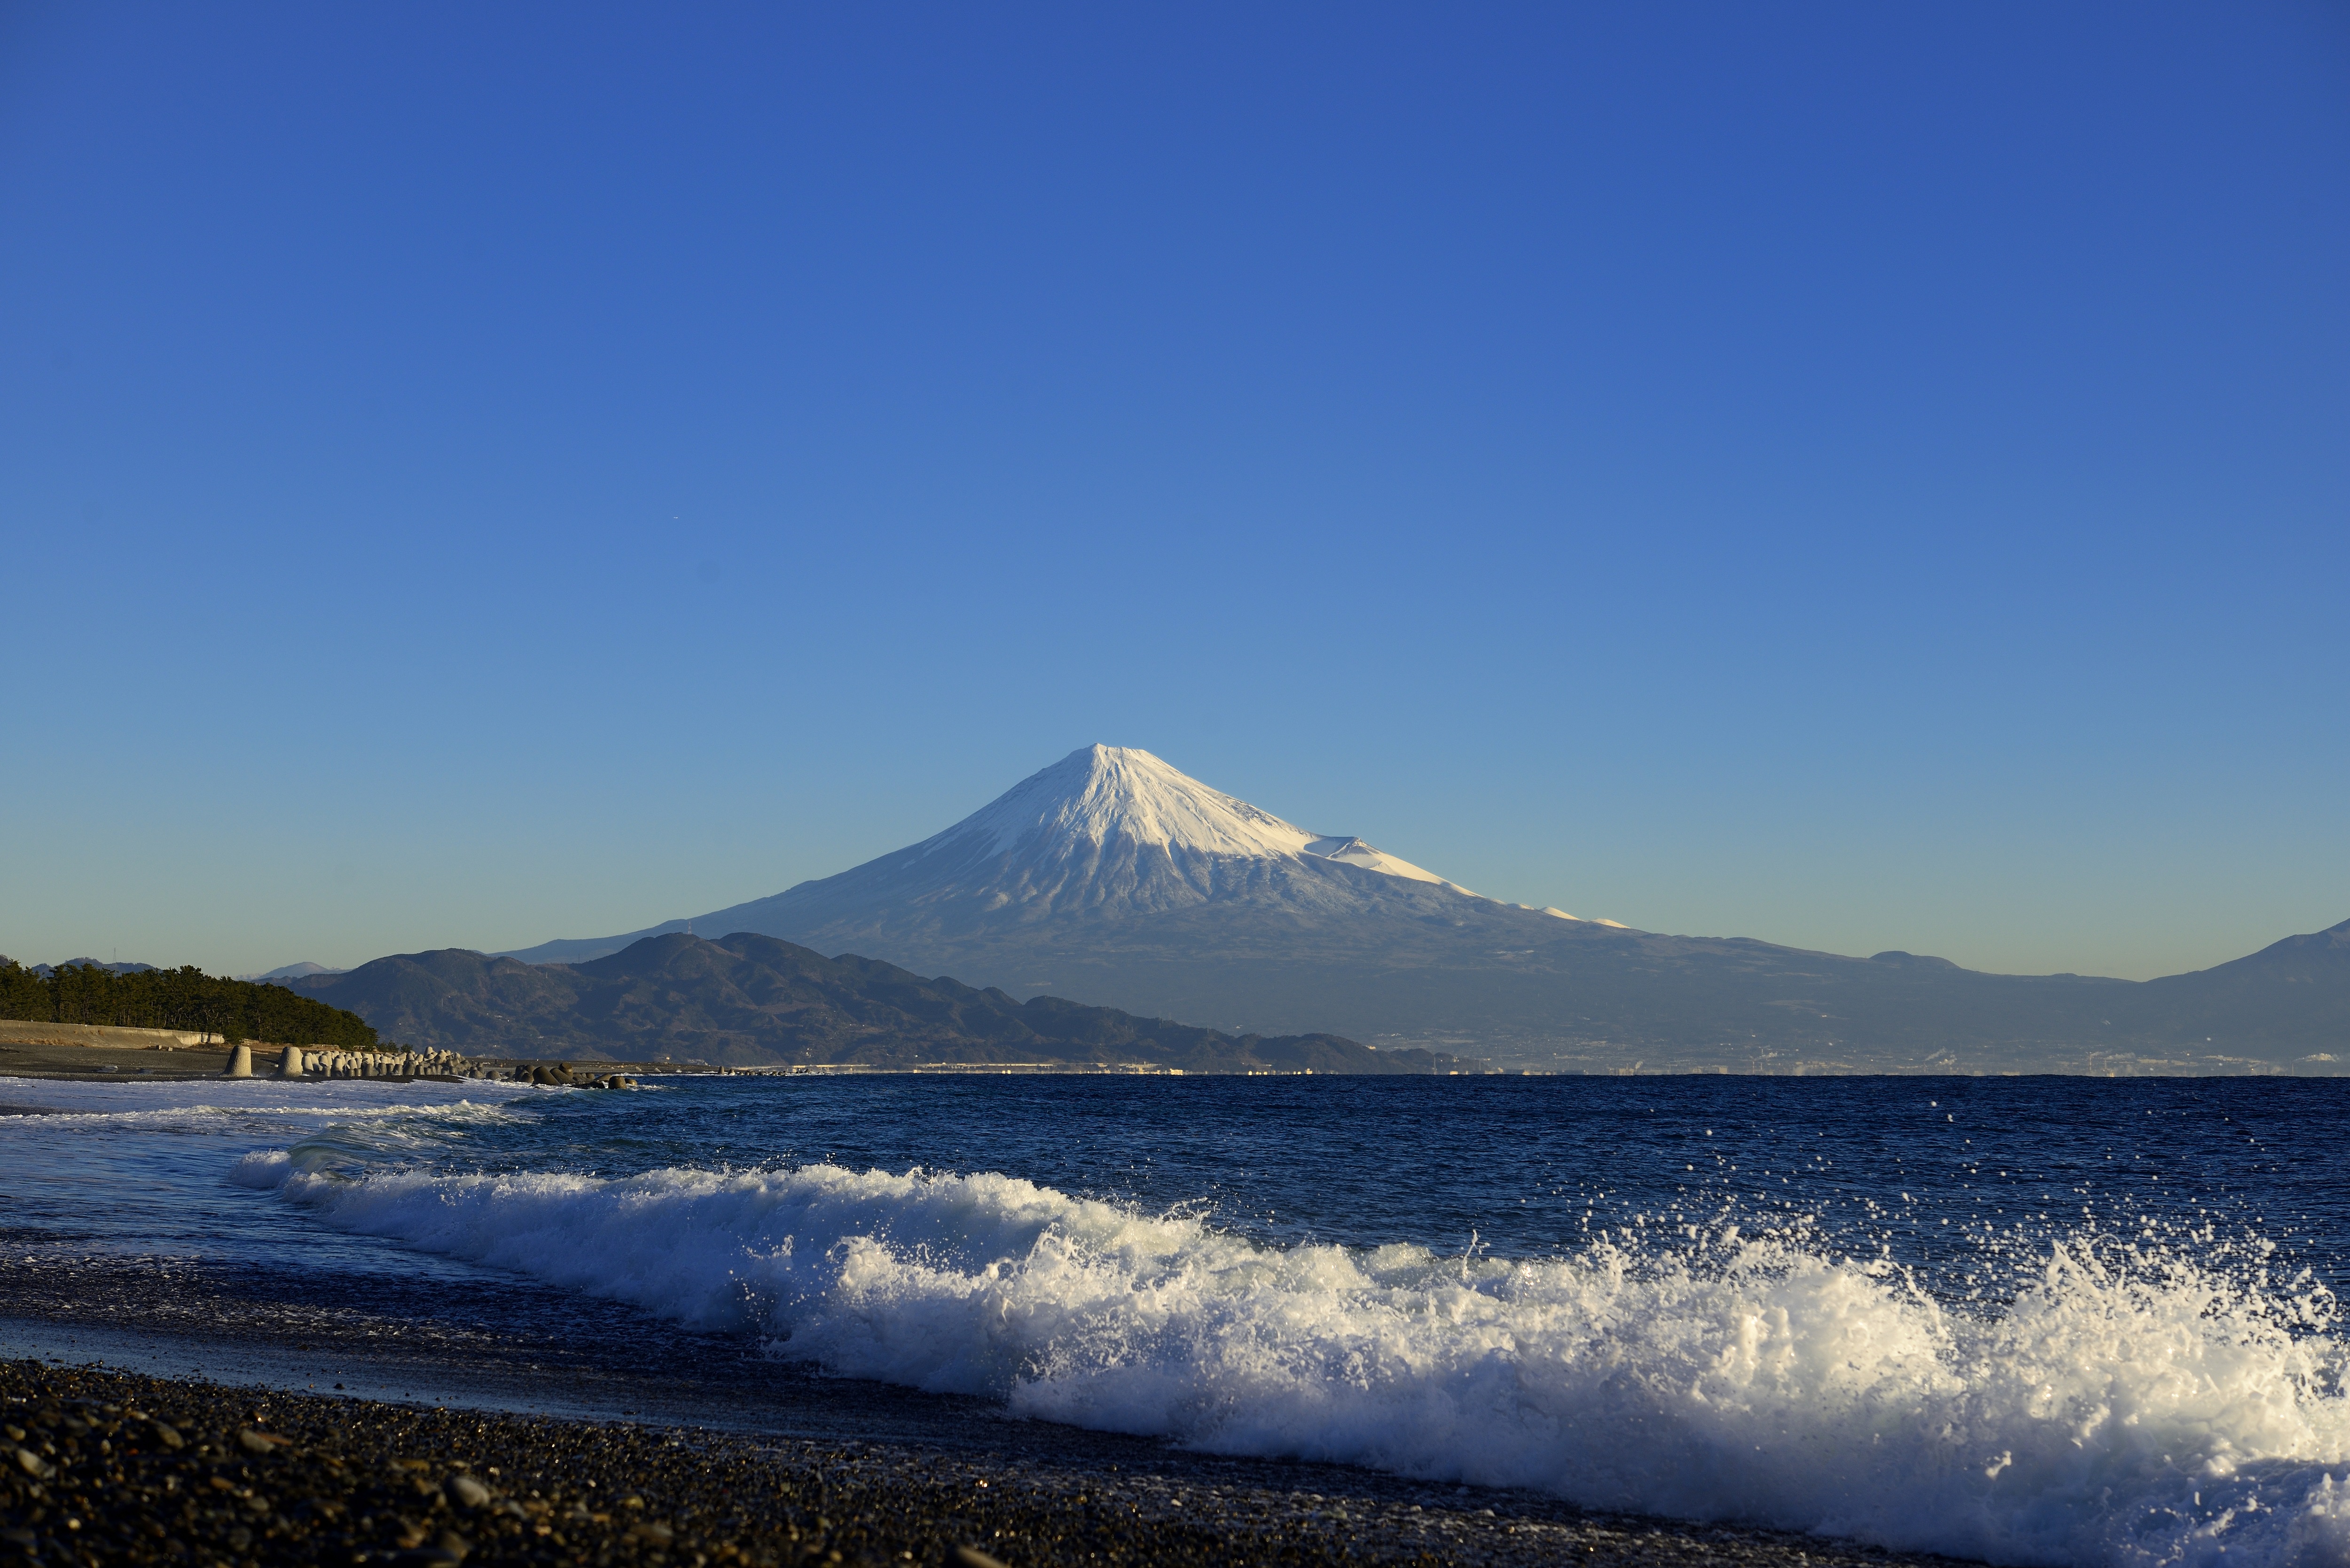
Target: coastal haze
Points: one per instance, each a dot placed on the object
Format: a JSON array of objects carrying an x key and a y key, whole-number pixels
[{"x": 1112, "y": 877}]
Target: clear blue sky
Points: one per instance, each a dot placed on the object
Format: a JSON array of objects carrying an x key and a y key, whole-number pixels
[{"x": 1858, "y": 477}]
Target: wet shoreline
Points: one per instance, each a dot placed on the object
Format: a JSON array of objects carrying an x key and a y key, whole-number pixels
[
  {"x": 684, "y": 1419},
  {"x": 270, "y": 1475}
]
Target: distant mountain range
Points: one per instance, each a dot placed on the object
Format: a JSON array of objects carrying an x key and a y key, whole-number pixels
[
  {"x": 302, "y": 971},
  {"x": 750, "y": 1000},
  {"x": 1115, "y": 879}
]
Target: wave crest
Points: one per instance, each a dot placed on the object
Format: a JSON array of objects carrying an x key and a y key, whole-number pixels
[{"x": 2127, "y": 1407}]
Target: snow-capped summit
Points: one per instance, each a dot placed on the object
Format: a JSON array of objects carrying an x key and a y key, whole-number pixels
[
  {"x": 1110, "y": 830},
  {"x": 1114, "y": 877},
  {"x": 1097, "y": 793},
  {"x": 1101, "y": 795},
  {"x": 1109, "y": 842}
]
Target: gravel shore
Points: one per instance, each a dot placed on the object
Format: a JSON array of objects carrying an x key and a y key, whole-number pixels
[{"x": 107, "y": 1467}]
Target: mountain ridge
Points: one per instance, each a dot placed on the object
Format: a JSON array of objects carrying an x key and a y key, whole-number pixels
[
  {"x": 1113, "y": 878},
  {"x": 1105, "y": 826},
  {"x": 748, "y": 1000}
]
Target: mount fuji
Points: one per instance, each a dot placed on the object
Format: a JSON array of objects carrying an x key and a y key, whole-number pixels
[
  {"x": 1113, "y": 878},
  {"x": 1110, "y": 845}
]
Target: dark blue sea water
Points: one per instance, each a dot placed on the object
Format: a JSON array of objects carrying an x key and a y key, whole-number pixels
[{"x": 2033, "y": 1320}]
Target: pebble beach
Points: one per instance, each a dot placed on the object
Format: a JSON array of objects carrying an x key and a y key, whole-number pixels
[{"x": 106, "y": 1466}]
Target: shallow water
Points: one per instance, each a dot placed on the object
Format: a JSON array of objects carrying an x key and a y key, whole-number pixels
[{"x": 2053, "y": 1321}]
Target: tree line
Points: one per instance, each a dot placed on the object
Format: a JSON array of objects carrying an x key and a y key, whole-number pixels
[{"x": 185, "y": 999}]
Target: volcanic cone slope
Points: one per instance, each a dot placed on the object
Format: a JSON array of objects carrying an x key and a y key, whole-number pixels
[{"x": 1114, "y": 879}]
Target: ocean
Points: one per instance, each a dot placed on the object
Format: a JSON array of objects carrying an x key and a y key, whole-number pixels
[{"x": 2043, "y": 1321}]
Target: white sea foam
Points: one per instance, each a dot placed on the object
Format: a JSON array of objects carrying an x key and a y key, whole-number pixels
[
  {"x": 263, "y": 1169},
  {"x": 2125, "y": 1409},
  {"x": 132, "y": 1102}
]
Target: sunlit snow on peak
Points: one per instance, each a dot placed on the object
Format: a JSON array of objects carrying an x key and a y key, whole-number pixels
[{"x": 1097, "y": 796}]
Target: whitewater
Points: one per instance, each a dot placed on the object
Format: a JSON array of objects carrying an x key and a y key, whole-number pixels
[{"x": 1709, "y": 1315}]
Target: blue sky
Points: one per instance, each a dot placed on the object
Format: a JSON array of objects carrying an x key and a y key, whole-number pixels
[{"x": 1856, "y": 476}]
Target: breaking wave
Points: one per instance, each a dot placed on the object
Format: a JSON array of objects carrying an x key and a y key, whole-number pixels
[{"x": 2124, "y": 1405}]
